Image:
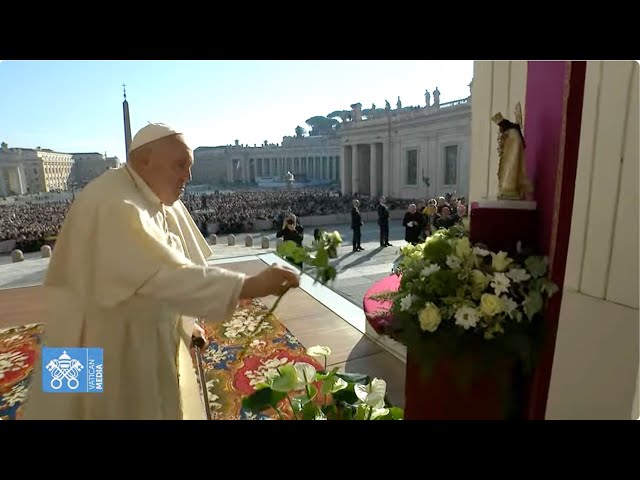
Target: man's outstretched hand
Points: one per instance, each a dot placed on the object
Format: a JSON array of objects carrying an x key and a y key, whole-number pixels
[{"x": 274, "y": 280}]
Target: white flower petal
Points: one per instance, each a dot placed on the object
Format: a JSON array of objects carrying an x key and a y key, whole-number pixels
[{"x": 319, "y": 351}]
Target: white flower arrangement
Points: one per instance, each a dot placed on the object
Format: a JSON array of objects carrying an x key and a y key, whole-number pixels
[{"x": 455, "y": 297}]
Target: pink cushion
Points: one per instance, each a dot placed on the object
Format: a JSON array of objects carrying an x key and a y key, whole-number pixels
[{"x": 378, "y": 312}]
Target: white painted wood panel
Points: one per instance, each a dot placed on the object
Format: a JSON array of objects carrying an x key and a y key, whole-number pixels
[
  {"x": 482, "y": 91},
  {"x": 612, "y": 109},
  {"x": 622, "y": 282},
  {"x": 582, "y": 199}
]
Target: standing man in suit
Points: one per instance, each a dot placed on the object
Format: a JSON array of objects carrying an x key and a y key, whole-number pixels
[
  {"x": 383, "y": 222},
  {"x": 356, "y": 224},
  {"x": 413, "y": 222}
]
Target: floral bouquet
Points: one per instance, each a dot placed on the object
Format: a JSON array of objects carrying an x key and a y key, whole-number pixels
[
  {"x": 322, "y": 395},
  {"x": 461, "y": 300}
]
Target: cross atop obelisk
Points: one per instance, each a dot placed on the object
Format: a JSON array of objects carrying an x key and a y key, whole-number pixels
[{"x": 127, "y": 122}]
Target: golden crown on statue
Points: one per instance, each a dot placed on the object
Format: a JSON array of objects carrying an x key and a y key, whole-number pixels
[{"x": 497, "y": 118}]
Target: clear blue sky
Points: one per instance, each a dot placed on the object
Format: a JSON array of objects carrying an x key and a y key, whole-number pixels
[{"x": 76, "y": 106}]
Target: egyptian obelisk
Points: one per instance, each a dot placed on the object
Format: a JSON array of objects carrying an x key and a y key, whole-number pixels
[{"x": 127, "y": 122}]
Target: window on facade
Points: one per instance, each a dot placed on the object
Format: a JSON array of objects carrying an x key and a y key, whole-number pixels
[
  {"x": 451, "y": 165},
  {"x": 412, "y": 167}
]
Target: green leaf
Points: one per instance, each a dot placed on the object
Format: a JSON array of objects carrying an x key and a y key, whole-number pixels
[
  {"x": 323, "y": 376},
  {"x": 379, "y": 413},
  {"x": 322, "y": 258},
  {"x": 292, "y": 250},
  {"x": 309, "y": 412},
  {"x": 536, "y": 265},
  {"x": 549, "y": 287},
  {"x": 436, "y": 250},
  {"x": 287, "y": 380},
  {"x": 517, "y": 315},
  {"x": 347, "y": 412},
  {"x": 362, "y": 412},
  {"x": 262, "y": 400},
  {"x": 333, "y": 384},
  {"x": 299, "y": 402},
  {"x": 354, "y": 377},
  {"x": 396, "y": 413},
  {"x": 320, "y": 376},
  {"x": 533, "y": 304},
  {"x": 312, "y": 391},
  {"x": 330, "y": 411}
]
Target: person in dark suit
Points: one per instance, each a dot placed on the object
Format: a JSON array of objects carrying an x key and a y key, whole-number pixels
[
  {"x": 413, "y": 222},
  {"x": 356, "y": 224},
  {"x": 383, "y": 222}
]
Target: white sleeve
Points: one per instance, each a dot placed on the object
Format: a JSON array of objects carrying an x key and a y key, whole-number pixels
[{"x": 206, "y": 292}]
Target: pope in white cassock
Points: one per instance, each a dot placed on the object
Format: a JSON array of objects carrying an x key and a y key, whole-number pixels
[{"x": 129, "y": 275}]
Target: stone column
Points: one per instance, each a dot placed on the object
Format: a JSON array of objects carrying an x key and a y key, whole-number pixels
[
  {"x": 345, "y": 176},
  {"x": 386, "y": 159},
  {"x": 230, "y": 170},
  {"x": 21, "y": 181},
  {"x": 373, "y": 171},
  {"x": 355, "y": 169},
  {"x": 3, "y": 184}
]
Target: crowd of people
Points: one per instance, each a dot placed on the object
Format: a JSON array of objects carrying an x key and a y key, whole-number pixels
[
  {"x": 425, "y": 217},
  {"x": 237, "y": 211},
  {"x": 32, "y": 223}
]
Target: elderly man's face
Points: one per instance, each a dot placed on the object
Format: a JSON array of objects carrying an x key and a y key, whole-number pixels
[
  {"x": 412, "y": 208},
  {"x": 168, "y": 168}
]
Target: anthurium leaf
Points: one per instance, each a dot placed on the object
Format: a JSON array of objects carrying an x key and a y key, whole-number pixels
[
  {"x": 287, "y": 379},
  {"x": 323, "y": 376},
  {"x": 312, "y": 412},
  {"x": 312, "y": 391},
  {"x": 333, "y": 384},
  {"x": 362, "y": 412},
  {"x": 262, "y": 400},
  {"x": 379, "y": 413},
  {"x": 396, "y": 413}
]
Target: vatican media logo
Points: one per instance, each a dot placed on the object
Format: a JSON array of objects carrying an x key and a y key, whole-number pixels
[{"x": 72, "y": 370}]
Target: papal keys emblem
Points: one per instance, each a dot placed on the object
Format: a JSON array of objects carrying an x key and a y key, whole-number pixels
[{"x": 64, "y": 367}]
